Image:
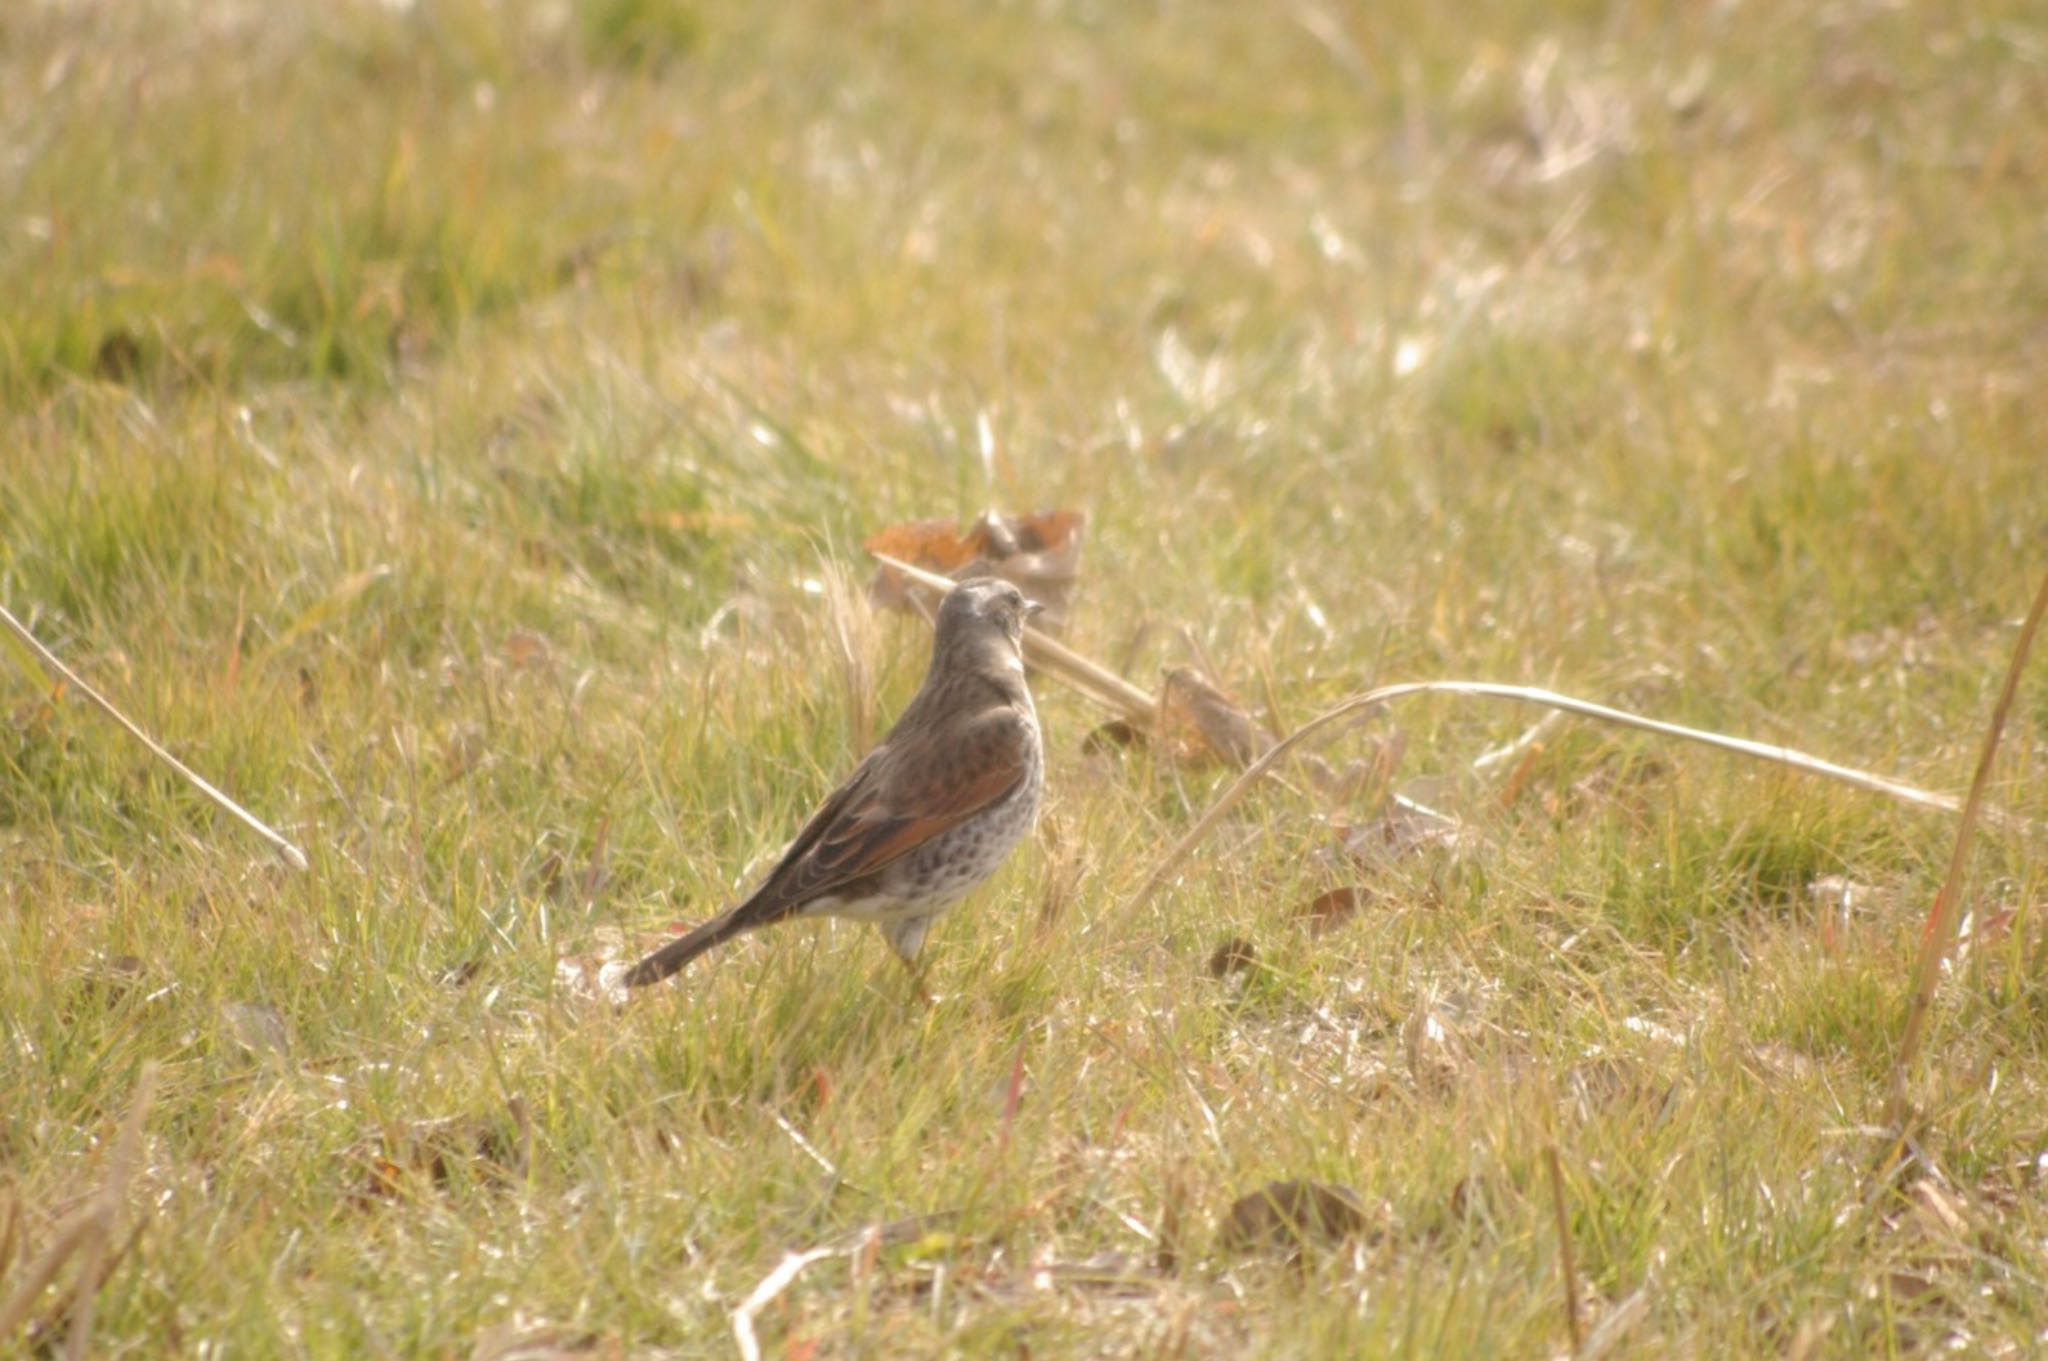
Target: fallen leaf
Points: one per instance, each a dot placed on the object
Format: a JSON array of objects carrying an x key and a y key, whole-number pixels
[
  {"x": 258, "y": 1027},
  {"x": 1406, "y": 828},
  {"x": 459, "y": 975},
  {"x": 1326, "y": 912},
  {"x": 515, "y": 1342},
  {"x": 1116, "y": 733},
  {"x": 525, "y": 650},
  {"x": 1291, "y": 1216},
  {"x": 1235, "y": 955},
  {"x": 1433, "y": 1048},
  {"x": 109, "y": 979},
  {"x": 1940, "y": 1213},
  {"x": 1617, "y": 1084},
  {"x": 119, "y": 356},
  {"x": 1478, "y": 1196},
  {"x": 430, "y": 1151},
  {"x": 1199, "y": 717},
  {"x": 1039, "y": 554}
]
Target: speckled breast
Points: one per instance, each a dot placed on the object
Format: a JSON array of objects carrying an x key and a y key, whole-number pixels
[{"x": 944, "y": 869}]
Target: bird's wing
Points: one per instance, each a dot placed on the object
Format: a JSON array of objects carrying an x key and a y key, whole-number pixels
[{"x": 907, "y": 791}]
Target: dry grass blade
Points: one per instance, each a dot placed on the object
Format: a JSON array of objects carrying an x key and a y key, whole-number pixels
[
  {"x": 94, "y": 1262},
  {"x": 1614, "y": 1326},
  {"x": 1099, "y": 683},
  {"x": 1372, "y": 699},
  {"x": 293, "y": 856},
  {"x": 1939, "y": 932},
  {"x": 45, "y": 1268},
  {"x": 86, "y": 1233},
  {"x": 8, "y": 1234},
  {"x": 1566, "y": 1268}
]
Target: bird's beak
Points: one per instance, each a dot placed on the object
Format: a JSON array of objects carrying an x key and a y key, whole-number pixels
[{"x": 1032, "y": 609}]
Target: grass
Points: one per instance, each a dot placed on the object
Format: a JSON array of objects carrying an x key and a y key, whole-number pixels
[{"x": 449, "y": 426}]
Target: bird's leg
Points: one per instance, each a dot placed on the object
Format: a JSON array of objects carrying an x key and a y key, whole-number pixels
[
  {"x": 905, "y": 939},
  {"x": 916, "y": 971}
]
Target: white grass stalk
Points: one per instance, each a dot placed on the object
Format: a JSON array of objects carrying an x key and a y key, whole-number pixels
[
  {"x": 1372, "y": 699},
  {"x": 292, "y": 855}
]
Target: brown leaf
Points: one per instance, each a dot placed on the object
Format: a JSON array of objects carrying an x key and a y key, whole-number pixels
[
  {"x": 118, "y": 357},
  {"x": 430, "y": 1151},
  {"x": 521, "y": 1341},
  {"x": 1108, "y": 736},
  {"x": 1200, "y": 717},
  {"x": 1405, "y": 829},
  {"x": 1326, "y": 912},
  {"x": 525, "y": 650},
  {"x": 109, "y": 979},
  {"x": 1235, "y": 955},
  {"x": 1291, "y": 1216},
  {"x": 1940, "y": 1214},
  {"x": 1039, "y": 554}
]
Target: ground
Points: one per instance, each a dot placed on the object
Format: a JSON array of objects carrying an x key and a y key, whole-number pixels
[{"x": 451, "y": 426}]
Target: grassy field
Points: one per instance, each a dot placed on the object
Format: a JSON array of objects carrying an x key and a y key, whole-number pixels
[{"x": 451, "y": 425}]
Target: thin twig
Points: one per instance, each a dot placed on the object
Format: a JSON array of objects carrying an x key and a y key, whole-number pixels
[
  {"x": 1371, "y": 699},
  {"x": 1091, "y": 678},
  {"x": 1568, "y": 1269},
  {"x": 773, "y": 1284},
  {"x": 1939, "y": 932},
  {"x": 1533, "y": 736},
  {"x": 293, "y": 856}
]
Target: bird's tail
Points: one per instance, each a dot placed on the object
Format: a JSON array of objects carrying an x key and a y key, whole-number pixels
[{"x": 684, "y": 948}]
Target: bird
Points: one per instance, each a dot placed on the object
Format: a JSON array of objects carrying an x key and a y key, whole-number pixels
[{"x": 928, "y": 814}]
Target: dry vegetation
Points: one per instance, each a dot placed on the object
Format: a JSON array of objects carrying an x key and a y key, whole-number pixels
[{"x": 450, "y": 425}]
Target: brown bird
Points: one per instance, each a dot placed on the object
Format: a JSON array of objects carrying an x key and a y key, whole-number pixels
[{"x": 929, "y": 813}]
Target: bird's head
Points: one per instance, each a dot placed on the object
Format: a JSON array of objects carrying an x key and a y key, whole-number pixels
[{"x": 984, "y": 607}]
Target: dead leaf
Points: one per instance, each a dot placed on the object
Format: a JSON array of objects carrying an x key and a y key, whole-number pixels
[
  {"x": 1940, "y": 1214},
  {"x": 459, "y": 975},
  {"x": 1434, "y": 1050},
  {"x": 1292, "y": 1216},
  {"x": 1326, "y": 912},
  {"x": 520, "y": 1340},
  {"x": 1039, "y": 554},
  {"x": 1117, "y": 733},
  {"x": 1478, "y": 1196},
  {"x": 429, "y": 1152},
  {"x": 524, "y": 650},
  {"x": 1199, "y": 717},
  {"x": 1235, "y": 955},
  {"x": 1406, "y": 828},
  {"x": 109, "y": 979},
  {"x": 119, "y": 356},
  {"x": 1618, "y": 1085},
  {"x": 259, "y": 1028}
]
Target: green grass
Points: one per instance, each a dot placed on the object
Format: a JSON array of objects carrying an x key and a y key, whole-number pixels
[{"x": 449, "y": 427}]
